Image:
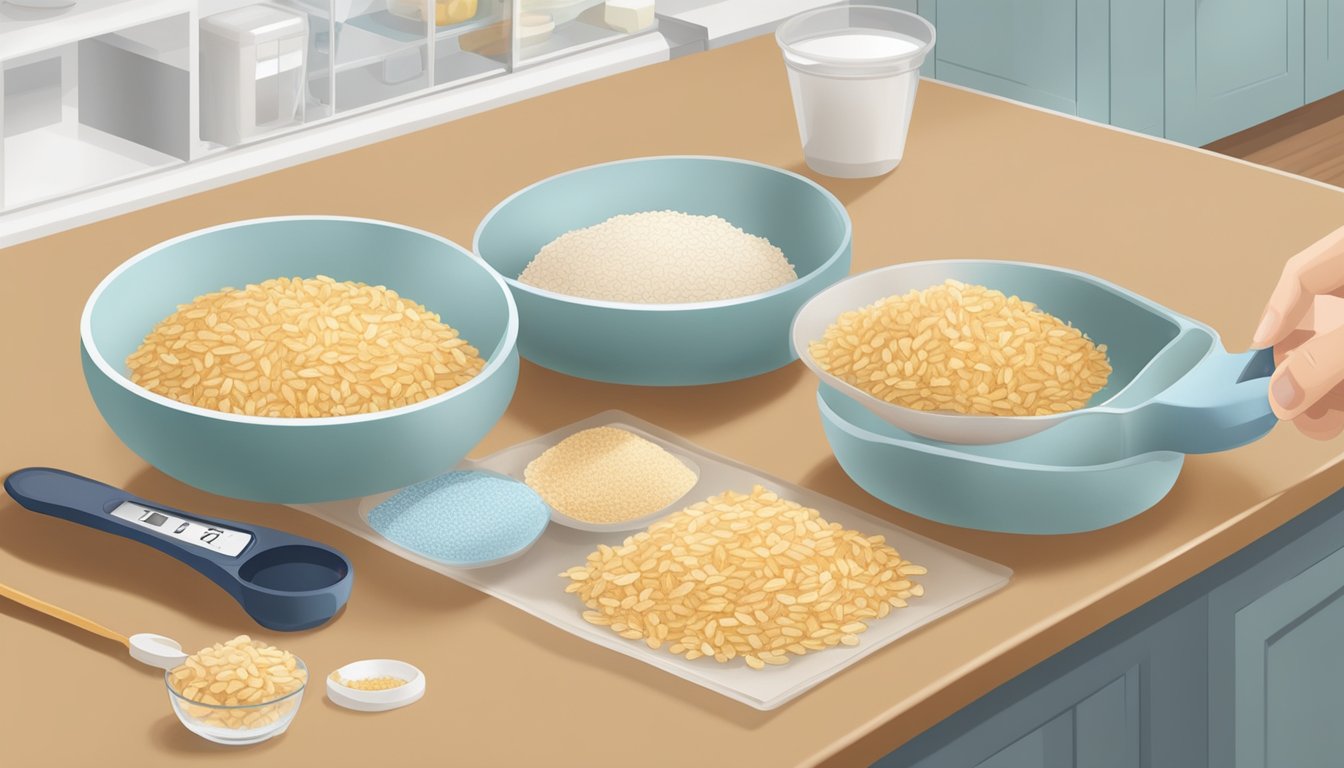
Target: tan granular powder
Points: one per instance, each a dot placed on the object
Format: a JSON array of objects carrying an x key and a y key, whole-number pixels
[
  {"x": 368, "y": 683},
  {"x": 239, "y": 673},
  {"x": 659, "y": 257},
  {"x": 964, "y": 348},
  {"x": 608, "y": 475},
  {"x": 749, "y": 575},
  {"x": 294, "y": 347}
]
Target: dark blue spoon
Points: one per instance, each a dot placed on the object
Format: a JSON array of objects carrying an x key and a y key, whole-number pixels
[{"x": 284, "y": 582}]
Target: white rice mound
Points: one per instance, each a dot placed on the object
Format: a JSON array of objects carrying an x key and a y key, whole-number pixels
[{"x": 659, "y": 257}]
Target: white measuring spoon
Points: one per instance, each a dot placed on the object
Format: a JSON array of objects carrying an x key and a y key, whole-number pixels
[{"x": 154, "y": 650}]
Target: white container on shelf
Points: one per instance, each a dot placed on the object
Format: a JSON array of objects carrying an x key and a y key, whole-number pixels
[
  {"x": 253, "y": 64},
  {"x": 629, "y": 16}
]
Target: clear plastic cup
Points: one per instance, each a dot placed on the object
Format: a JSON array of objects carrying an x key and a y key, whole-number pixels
[{"x": 854, "y": 71}]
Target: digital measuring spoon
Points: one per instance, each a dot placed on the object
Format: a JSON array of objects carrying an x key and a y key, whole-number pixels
[{"x": 284, "y": 582}]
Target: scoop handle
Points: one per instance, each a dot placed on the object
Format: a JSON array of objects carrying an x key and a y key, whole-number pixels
[
  {"x": 69, "y": 617},
  {"x": 88, "y": 502},
  {"x": 73, "y": 498},
  {"x": 1221, "y": 404}
]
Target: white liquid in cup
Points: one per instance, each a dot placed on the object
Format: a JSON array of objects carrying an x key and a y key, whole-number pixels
[
  {"x": 853, "y": 124},
  {"x": 858, "y": 46}
]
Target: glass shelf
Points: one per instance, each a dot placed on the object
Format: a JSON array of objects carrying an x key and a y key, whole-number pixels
[
  {"x": 549, "y": 29},
  {"x": 95, "y": 111},
  {"x": 67, "y": 157},
  {"x": 374, "y": 37},
  {"x": 566, "y": 39},
  {"x": 473, "y": 49}
]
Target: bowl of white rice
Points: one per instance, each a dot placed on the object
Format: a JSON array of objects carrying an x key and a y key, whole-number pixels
[{"x": 665, "y": 271}]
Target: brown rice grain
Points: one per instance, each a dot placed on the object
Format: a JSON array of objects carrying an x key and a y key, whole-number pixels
[
  {"x": 761, "y": 607},
  {"x": 209, "y": 351},
  {"x": 1008, "y": 357}
]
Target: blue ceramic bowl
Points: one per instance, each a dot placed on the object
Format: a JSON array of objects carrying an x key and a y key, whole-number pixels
[
  {"x": 667, "y": 344},
  {"x": 300, "y": 460},
  {"x": 1173, "y": 390},
  {"x": 1078, "y": 476}
]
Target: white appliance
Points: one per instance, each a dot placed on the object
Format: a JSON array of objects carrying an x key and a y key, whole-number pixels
[{"x": 253, "y": 65}]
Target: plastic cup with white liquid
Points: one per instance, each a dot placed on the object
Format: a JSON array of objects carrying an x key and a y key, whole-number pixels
[{"x": 854, "y": 71}]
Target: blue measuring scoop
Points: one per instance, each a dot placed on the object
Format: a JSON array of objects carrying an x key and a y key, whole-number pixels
[{"x": 284, "y": 582}]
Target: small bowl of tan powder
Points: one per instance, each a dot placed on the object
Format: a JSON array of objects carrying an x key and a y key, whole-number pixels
[
  {"x": 376, "y": 685},
  {"x": 301, "y": 359},
  {"x": 665, "y": 271}
]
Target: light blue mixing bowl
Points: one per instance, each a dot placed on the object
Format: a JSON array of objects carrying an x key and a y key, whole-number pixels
[
  {"x": 667, "y": 344},
  {"x": 1173, "y": 390},
  {"x": 1068, "y": 479},
  {"x": 300, "y": 460}
]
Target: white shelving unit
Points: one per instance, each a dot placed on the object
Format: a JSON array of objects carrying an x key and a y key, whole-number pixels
[
  {"x": 108, "y": 90},
  {"x": 64, "y": 162},
  {"x": 66, "y": 157},
  {"x": 56, "y": 139}
]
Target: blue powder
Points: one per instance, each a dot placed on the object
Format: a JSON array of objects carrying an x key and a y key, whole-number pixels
[{"x": 463, "y": 518}]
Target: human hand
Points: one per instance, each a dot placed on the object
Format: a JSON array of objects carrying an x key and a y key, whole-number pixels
[{"x": 1304, "y": 322}]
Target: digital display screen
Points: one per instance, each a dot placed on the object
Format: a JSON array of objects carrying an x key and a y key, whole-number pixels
[{"x": 198, "y": 534}]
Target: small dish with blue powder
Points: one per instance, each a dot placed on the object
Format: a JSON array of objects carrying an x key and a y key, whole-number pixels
[{"x": 463, "y": 519}]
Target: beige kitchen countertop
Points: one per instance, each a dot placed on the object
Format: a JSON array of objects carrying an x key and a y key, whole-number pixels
[{"x": 982, "y": 177}]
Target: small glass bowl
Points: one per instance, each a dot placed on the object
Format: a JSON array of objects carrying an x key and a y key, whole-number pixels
[{"x": 237, "y": 725}]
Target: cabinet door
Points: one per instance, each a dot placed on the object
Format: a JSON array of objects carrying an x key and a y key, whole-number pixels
[
  {"x": 1231, "y": 64},
  {"x": 1022, "y": 49},
  {"x": 926, "y": 8},
  {"x": 1135, "y": 703},
  {"x": 1325, "y": 48},
  {"x": 1276, "y": 669},
  {"x": 1137, "y": 77}
]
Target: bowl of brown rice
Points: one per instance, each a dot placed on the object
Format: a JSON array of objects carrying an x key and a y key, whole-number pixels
[
  {"x": 665, "y": 271},
  {"x": 977, "y": 352},
  {"x": 301, "y": 359}
]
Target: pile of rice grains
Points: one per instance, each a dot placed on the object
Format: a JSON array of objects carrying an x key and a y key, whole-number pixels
[
  {"x": 302, "y": 348},
  {"x": 659, "y": 257},
  {"x": 748, "y": 575},
  {"x": 964, "y": 348},
  {"x": 608, "y": 475},
  {"x": 237, "y": 684}
]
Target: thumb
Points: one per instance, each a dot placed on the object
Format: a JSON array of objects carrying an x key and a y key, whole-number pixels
[{"x": 1308, "y": 374}]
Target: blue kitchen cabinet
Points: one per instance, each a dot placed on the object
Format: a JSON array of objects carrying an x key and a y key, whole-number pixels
[
  {"x": 1191, "y": 70},
  {"x": 1276, "y": 659},
  {"x": 1092, "y": 58},
  {"x": 1023, "y": 49},
  {"x": 1324, "y": 47},
  {"x": 926, "y": 8},
  {"x": 1105, "y": 703},
  {"x": 1137, "y": 75},
  {"x": 1241, "y": 666},
  {"x": 1231, "y": 64}
]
